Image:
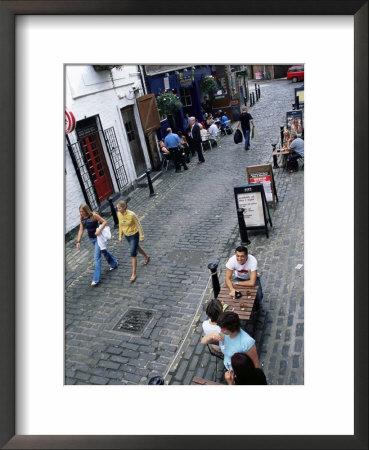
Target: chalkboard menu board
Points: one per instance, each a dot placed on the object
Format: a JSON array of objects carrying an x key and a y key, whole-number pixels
[
  {"x": 294, "y": 121},
  {"x": 251, "y": 198},
  {"x": 263, "y": 174}
]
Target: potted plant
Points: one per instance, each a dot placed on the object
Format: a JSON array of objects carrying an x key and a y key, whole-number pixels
[
  {"x": 209, "y": 85},
  {"x": 168, "y": 104}
]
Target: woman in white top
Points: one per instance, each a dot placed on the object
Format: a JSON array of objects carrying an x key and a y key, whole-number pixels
[{"x": 213, "y": 311}]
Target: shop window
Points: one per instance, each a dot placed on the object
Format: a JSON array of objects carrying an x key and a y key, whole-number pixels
[{"x": 185, "y": 95}]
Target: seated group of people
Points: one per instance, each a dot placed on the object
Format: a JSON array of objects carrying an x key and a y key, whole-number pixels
[
  {"x": 295, "y": 144},
  {"x": 175, "y": 147},
  {"x": 223, "y": 332}
]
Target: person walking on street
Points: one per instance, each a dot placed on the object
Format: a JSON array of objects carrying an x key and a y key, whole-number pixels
[
  {"x": 245, "y": 119},
  {"x": 172, "y": 142},
  {"x": 94, "y": 225},
  {"x": 196, "y": 139},
  {"x": 130, "y": 227}
]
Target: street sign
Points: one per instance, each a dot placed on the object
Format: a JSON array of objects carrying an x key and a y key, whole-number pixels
[{"x": 251, "y": 198}]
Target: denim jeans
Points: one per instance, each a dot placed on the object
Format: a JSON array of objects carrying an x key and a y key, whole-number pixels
[
  {"x": 246, "y": 134},
  {"x": 259, "y": 295},
  {"x": 133, "y": 243},
  {"x": 111, "y": 260}
]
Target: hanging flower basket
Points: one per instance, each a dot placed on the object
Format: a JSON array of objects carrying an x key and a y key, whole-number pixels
[
  {"x": 168, "y": 103},
  {"x": 209, "y": 85}
]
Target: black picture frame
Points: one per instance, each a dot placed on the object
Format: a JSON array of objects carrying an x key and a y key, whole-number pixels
[{"x": 8, "y": 10}]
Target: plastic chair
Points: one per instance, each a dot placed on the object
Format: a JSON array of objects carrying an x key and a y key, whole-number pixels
[{"x": 215, "y": 139}]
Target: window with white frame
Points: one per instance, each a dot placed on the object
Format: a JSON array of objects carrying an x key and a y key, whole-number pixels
[{"x": 185, "y": 95}]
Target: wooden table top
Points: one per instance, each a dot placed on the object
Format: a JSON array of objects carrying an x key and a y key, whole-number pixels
[
  {"x": 234, "y": 303},
  {"x": 281, "y": 152},
  {"x": 203, "y": 382}
]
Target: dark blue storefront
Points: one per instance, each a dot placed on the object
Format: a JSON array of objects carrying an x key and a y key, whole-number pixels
[{"x": 186, "y": 84}]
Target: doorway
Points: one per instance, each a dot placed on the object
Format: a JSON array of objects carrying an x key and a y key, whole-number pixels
[
  {"x": 95, "y": 160},
  {"x": 133, "y": 139}
]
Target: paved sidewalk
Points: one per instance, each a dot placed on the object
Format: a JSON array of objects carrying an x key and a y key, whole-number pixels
[{"x": 192, "y": 221}]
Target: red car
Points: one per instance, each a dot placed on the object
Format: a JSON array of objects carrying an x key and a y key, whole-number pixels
[{"x": 295, "y": 73}]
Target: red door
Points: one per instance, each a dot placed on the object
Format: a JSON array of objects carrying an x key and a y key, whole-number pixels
[{"x": 91, "y": 147}]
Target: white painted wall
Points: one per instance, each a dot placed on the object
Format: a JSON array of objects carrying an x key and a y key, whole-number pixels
[
  {"x": 89, "y": 93},
  {"x": 74, "y": 195}
]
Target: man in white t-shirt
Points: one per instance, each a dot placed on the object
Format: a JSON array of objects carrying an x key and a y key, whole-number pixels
[
  {"x": 245, "y": 267},
  {"x": 213, "y": 130}
]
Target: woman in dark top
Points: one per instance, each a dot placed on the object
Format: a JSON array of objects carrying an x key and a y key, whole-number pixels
[
  {"x": 92, "y": 221},
  {"x": 244, "y": 371}
]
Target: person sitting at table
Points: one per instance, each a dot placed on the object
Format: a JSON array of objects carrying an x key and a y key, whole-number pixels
[
  {"x": 245, "y": 267},
  {"x": 203, "y": 131},
  {"x": 244, "y": 371},
  {"x": 163, "y": 149},
  {"x": 224, "y": 119},
  {"x": 213, "y": 129},
  {"x": 232, "y": 339},
  {"x": 213, "y": 310},
  {"x": 172, "y": 141},
  {"x": 296, "y": 144},
  {"x": 207, "y": 124}
]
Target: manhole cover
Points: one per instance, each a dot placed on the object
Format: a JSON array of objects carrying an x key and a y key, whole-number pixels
[{"x": 134, "y": 321}]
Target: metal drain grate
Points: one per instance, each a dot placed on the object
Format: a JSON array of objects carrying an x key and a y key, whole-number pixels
[{"x": 134, "y": 321}]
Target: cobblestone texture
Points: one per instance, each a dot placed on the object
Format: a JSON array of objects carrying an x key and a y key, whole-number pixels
[{"x": 190, "y": 222}]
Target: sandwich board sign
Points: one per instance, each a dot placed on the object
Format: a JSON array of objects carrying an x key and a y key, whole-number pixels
[
  {"x": 263, "y": 174},
  {"x": 299, "y": 92},
  {"x": 251, "y": 198},
  {"x": 294, "y": 122}
]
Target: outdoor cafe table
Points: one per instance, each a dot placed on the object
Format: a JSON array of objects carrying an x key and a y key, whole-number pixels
[
  {"x": 203, "y": 382},
  {"x": 283, "y": 152},
  {"x": 234, "y": 303}
]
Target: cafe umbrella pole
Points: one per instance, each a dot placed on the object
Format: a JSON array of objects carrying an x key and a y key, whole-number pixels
[
  {"x": 214, "y": 278},
  {"x": 242, "y": 226}
]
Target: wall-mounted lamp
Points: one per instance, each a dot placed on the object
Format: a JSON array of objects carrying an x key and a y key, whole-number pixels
[
  {"x": 184, "y": 70},
  {"x": 176, "y": 72},
  {"x": 167, "y": 74}
]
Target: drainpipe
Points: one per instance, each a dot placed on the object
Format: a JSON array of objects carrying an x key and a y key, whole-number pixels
[{"x": 142, "y": 78}]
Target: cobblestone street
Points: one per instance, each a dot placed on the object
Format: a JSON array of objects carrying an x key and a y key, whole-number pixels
[{"x": 191, "y": 222}]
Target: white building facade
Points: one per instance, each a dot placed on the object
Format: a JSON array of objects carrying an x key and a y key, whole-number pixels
[{"x": 108, "y": 149}]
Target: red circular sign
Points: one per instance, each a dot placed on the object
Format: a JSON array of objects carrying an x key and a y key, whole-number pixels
[{"x": 70, "y": 121}]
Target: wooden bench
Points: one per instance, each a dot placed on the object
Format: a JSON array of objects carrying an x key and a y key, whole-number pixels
[{"x": 203, "y": 382}]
